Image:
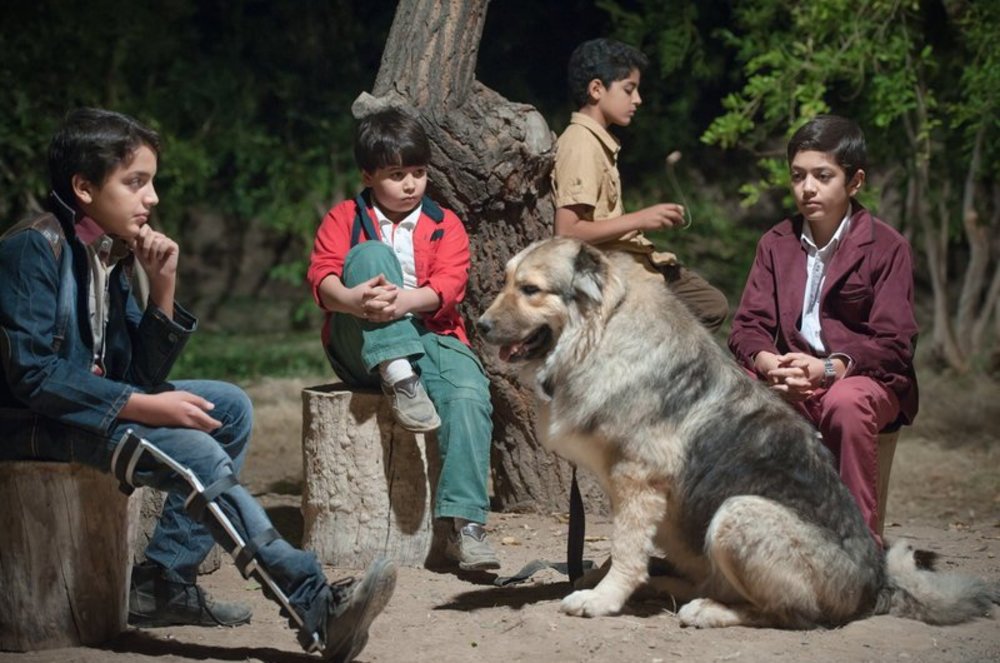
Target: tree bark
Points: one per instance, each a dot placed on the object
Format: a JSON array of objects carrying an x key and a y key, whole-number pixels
[
  {"x": 369, "y": 484},
  {"x": 490, "y": 163},
  {"x": 65, "y": 556}
]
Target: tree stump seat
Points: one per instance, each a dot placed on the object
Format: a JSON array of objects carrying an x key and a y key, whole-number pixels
[
  {"x": 886, "y": 450},
  {"x": 66, "y": 555},
  {"x": 369, "y": 484}
]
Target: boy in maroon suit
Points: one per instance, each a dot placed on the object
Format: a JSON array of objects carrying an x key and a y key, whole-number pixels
[{"x": 826, "y": 316}]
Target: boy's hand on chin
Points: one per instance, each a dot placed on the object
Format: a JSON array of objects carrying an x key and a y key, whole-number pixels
[{"x": 157, "y": 254}]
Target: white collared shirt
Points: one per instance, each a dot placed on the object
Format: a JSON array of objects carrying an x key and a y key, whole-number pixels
[
  {"x": 400, "y": 237},
  {"x": 817, "y": 264}
]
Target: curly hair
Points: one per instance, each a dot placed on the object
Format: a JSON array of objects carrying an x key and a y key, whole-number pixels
[{"x": 604, "y": 59}]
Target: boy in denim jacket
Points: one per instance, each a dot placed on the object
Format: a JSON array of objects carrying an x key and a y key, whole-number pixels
[{"x": 84, "y": 379}]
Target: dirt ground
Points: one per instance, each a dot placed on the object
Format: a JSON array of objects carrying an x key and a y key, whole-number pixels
[{"x": 943, "y": 497}]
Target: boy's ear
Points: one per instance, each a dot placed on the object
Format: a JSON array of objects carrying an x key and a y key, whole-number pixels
[
  {"x": 855, "y": 184},
  {"x": 595, "y": 88},
  {"x": 82, "y": 188},
  {"x": 366, "y": 178}
]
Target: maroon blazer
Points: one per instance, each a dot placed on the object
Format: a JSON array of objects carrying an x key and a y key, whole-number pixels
[{"x": 866, "y": 307}]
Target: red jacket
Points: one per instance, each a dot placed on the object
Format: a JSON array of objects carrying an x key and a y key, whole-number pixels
[
  {"x": 866, "y": 307},
  {"x": 440, "y": 254}
]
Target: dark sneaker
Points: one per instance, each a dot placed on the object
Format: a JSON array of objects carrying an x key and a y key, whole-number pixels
[
  {"x": 345, "y": 611},
  {"x": 411, "y": 406},
  {"x": 155, "y": 601},
  {"x": 471, "y": 550}
]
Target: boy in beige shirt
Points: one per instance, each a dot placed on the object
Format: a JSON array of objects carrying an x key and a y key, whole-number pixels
[{"x": 604, "y": 80}]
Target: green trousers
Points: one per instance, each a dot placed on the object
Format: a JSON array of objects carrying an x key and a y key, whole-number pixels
[{"x": 451, "y": 374}]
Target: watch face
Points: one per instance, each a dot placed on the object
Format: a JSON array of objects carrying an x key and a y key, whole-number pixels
[{"x": 829, "y": 372}]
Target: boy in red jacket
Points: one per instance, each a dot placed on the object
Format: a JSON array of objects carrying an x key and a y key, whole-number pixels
[
  {"x": 826, "y": 316},
  {"x": 390, "y": 269}
]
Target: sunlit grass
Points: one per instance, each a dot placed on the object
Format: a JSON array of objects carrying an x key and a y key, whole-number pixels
[{"x": 240, "y": 357}]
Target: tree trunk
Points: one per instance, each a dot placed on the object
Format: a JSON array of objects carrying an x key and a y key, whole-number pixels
[
  {"x": 944, "y": 344},
  {"x": 490, "y": 163},
  {"x": 974, "y": 283}
]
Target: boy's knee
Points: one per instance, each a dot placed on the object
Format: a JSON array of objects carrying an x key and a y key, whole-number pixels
[
  {"x": 369, "y": 259},
  {"x": 234, "y": 398},
  {"x": 714, "y": 310},
  {"x": 706, "y": 302},
  {"x": 844, "y": 405},
  {"x": 234, "y": 407}
]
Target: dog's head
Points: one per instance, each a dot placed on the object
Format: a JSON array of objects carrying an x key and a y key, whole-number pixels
[{"x": 550, "y": 286}]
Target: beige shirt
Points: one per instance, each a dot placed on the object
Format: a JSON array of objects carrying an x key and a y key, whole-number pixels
[{"x": 586, "y": 173}]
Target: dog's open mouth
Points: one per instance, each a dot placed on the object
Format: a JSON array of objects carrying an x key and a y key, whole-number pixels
[{"x": 532, "y": 347}]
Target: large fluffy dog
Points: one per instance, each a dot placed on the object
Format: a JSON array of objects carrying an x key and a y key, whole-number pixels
[{"x": 703, "y": 465}]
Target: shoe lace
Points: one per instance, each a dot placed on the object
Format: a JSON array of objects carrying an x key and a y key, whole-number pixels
[
  {"x": 342, "y": 589},
  {"x": 205, "y": 602}
]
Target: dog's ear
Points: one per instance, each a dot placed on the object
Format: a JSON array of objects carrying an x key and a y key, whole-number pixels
[
  {"x": 925, "y": 559},
  {"x": 590, "y": 275}
]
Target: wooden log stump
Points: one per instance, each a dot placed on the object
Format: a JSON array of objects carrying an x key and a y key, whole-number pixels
[
  {"x": 369, "y": 484},
  {"x": 151, "y": 504},
  {"x": 886, "y": 450},
  {"x": 66, "y": 555}
]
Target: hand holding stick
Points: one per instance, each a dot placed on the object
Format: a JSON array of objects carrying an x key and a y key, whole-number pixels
[{"x": 672, "y": 159}]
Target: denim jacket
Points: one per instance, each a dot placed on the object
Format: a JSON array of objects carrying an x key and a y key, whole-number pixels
[{"x": 46, "y": 370}]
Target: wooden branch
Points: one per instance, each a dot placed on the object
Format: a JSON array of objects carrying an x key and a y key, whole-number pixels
[
  {"x": 990, "y": 308},
  {"x": 969, "y": 300},
  {"x": 435, "y": 48}
]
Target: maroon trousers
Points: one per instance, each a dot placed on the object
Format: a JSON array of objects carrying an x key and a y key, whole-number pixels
[{"x": 850, "y": 415}]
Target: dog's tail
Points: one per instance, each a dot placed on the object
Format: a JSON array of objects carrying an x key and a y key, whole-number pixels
[{"x": 916, "y": 591}]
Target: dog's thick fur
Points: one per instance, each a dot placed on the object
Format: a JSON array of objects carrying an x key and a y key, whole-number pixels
[{"x": 703, "y": 465}]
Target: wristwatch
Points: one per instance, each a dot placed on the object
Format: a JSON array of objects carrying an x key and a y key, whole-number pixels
[{"x": 829, "y": 373}]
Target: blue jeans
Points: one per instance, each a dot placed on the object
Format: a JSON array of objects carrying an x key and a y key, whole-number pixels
[{"x": 179, "y": 544}]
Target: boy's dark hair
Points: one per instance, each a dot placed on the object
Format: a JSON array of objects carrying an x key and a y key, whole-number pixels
[
  {"x": 834, "y": 135},
  {"x": 92, "y": 142},
  {"x": 604, "y": 59},
  {"x": 390, "y": 138}
]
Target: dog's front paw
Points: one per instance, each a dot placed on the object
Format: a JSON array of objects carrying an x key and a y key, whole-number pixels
[
  {"x": 706, "y": 613},
  {"x": 589, "y": 603}
]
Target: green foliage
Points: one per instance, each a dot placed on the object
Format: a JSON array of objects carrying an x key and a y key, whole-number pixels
[
  {"x": 883, "y": 63},
  {"x": 978, "y": 102},
  {"x": 682, "y": 87},
  {"x": 240, "y": 357},
  {"x": 251, "y": 98},
  {"x": 922, "y": 78}
]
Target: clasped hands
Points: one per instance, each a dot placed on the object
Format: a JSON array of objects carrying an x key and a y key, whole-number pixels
[
  {"x": 794, "y": 375},
  {"x": 380, "y": 300}
]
